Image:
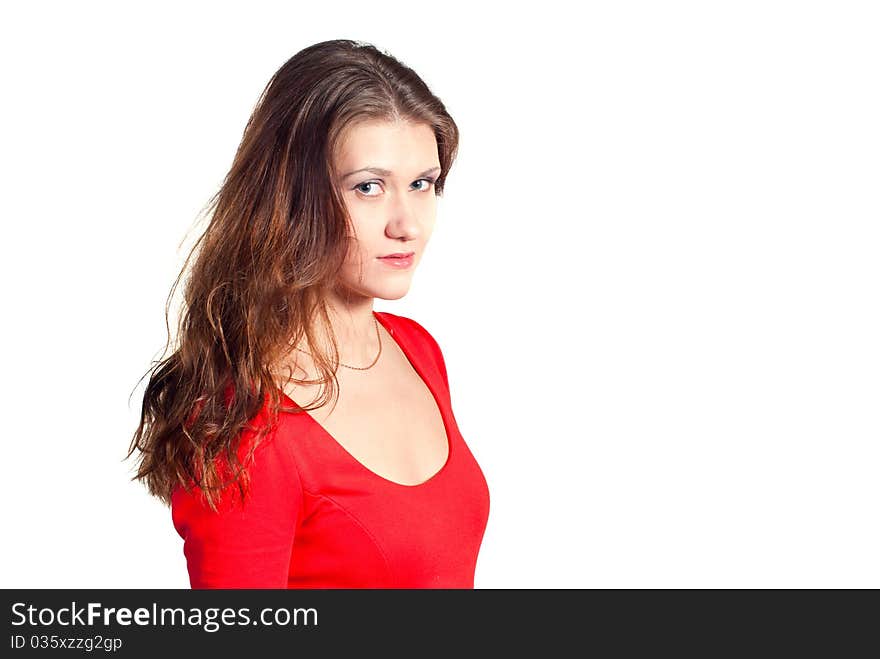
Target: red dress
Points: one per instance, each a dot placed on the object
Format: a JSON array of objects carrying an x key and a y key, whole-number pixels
[{"x": 315, "y": 517}]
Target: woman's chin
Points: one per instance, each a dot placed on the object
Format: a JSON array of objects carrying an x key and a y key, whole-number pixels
[{"x": 391, "y": 292}]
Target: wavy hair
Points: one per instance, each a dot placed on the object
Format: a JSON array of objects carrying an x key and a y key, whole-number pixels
[{"x": 261, "y": 270}]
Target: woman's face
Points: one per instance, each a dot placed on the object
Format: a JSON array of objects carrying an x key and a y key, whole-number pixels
[{"x": 393, "y": 207}]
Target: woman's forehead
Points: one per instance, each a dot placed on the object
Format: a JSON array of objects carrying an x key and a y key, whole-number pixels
[{"x": 396, "y": 148}]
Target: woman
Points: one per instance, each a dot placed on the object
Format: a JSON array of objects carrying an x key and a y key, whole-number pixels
[{"x": 302, "y": 439}]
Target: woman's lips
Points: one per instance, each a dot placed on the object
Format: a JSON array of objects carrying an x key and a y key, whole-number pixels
[{"x": 398, "y": 261}]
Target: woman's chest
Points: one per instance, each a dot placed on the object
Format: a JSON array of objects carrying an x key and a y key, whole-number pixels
[{"x": 390, "y": 423}]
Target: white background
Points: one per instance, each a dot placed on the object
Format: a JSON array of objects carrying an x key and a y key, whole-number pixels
[{"x": 654, "y": 277}]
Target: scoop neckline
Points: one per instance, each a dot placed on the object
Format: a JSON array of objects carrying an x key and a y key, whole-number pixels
[{"x": 440, "y": 407}]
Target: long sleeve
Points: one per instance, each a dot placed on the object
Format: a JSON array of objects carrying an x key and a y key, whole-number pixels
[{"x": 250, "y": 545}]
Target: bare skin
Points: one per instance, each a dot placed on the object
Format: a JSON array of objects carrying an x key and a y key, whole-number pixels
[{"x": 385, "y": 416}]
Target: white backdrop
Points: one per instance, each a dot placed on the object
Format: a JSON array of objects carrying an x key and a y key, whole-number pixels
[{"x": 654, "y": 276}]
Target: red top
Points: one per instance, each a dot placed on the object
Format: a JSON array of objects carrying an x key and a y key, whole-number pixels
[{"x": 315, "y": 517}]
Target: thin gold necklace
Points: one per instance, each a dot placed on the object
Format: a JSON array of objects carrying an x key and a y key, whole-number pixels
[{"x": 361, "y": 368}]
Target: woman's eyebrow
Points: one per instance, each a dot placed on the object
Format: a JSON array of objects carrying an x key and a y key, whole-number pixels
[{"x": 385, "y": 172}]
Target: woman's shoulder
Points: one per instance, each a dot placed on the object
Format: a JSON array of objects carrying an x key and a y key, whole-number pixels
[
  {"x": 405, "y": 324},
  {"x": 411, "y": 330},
  {"x": 417, "y": 336}
]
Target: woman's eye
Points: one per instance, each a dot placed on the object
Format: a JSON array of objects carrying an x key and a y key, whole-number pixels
[
  {"x": 360, "y": 188},
  {"x": 364, "y": 188}
]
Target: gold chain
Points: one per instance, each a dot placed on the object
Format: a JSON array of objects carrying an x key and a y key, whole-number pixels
[{"x": 361, "y": 368}]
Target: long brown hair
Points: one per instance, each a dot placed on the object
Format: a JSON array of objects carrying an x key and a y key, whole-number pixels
[{"x": 261, "y": 271}]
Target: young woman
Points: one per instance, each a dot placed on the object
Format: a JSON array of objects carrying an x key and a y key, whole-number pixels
[{"x": 301, "y": 438}]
